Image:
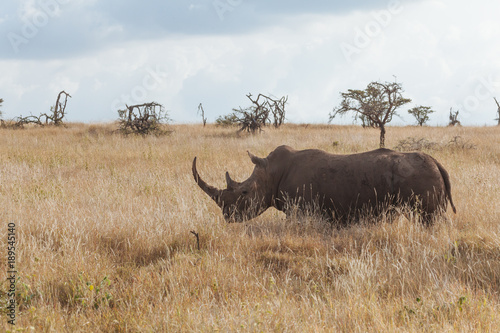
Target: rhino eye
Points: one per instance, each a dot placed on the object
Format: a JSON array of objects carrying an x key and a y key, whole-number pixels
[{"x": 245, "y": 192}]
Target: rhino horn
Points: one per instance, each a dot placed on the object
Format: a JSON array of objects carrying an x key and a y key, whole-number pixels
[
  {"x": 213, "y": 192},
  {"x": 262, "y": 162},
  {"x": 229, "y": 181}
]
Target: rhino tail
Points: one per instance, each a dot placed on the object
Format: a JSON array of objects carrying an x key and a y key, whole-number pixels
[{"x": 447, "y": 184}]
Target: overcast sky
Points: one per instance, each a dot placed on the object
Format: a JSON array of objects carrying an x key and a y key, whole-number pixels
[{"x": 181, "y": 53}]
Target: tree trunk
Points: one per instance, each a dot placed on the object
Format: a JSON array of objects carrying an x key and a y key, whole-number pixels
[
  {"x": 382, "y": 136},
  {"x": 498, "y": 104}
]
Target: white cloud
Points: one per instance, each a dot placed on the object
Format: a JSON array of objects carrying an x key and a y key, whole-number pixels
[{"x": 442, "y": 51}]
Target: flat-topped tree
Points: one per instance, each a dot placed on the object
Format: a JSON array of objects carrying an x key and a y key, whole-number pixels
[
  {"x": 421, "y": 114},
  {"x": 375, "y": 106}
]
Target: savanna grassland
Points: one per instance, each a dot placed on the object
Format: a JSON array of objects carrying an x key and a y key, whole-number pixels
[{"x": 104, "y": 240}]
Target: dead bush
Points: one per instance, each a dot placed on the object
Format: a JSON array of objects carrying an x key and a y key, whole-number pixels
[
  {"x": 419, "y": 144},
  {"x": 416, "y": 144},
  {"x": 143, "y": 119}
]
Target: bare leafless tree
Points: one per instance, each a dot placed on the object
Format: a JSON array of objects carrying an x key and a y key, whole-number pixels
[
  {"x": 56, "y": 116},
  {"x": 375, "y": 106},
  {"x": 58, "y": 110},
  {"x": 143, "y": 119},
  {"x": 271, "y": 106},
  {"x": 498, "y": 111},
  {"x": 201, "y": 112},
  {"x": 454, "y": 118},
  {"x": 257, "y": 115}
]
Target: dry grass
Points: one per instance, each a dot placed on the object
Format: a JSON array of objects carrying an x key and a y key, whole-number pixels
[{"x": 104, "y": 241}]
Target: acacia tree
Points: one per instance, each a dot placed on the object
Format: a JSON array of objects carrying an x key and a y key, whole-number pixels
[
  {"x": 421, "y": 114},
  {"x": 375, "y": 106},
  {"x": 366, "y": 122},
  {"x": 1, "y": 101}
]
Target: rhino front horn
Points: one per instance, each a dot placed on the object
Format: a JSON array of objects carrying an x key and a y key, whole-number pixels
[{"x": 213, "y": 192}]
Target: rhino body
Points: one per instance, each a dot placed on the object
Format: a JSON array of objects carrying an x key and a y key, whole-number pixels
[{"x": 340, "y": 186}]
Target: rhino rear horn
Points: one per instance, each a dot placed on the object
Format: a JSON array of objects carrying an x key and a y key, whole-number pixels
[
  {"x": 229, "y": 181},
  {"x": 213, "y": 192},
  {"x": 262, "y": 162}
]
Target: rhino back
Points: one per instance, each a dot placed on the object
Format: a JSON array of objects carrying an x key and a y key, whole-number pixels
[{"x": 346, "y": 182}]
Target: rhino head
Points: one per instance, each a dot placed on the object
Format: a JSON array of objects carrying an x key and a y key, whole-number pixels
[{"x": 241, "y": 201}]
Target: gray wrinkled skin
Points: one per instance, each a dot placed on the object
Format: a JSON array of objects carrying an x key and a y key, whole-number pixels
[{"x": 340, "y": 186}]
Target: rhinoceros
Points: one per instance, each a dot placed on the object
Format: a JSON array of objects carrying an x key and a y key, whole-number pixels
[{"x": 340, "y": 186}]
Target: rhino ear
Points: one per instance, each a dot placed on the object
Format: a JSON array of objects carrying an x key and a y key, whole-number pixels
[
  {"x": 262, "y": 162},
  {"x": 229, "y": 181}
]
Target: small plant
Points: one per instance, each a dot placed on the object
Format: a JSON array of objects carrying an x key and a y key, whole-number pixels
[
  {"x": 101, "y": 296},
  {"x": 462, "y": 300},
  {"x": 143, "y": 119},
  {"x": 84, "y": 293}
]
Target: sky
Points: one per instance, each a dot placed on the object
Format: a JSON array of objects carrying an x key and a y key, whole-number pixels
[{"x": 180, "y": 53}]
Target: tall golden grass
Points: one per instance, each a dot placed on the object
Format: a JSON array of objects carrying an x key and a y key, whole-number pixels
[{"x": 104, "y": 245}]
